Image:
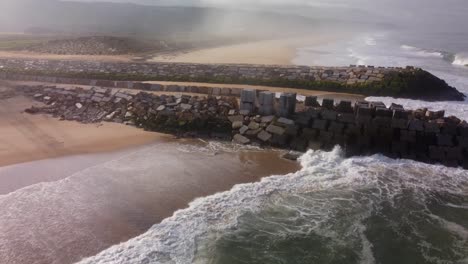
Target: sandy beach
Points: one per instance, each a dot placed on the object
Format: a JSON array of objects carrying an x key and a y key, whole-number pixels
[
  {"x": 85, "y": 187},
  {"x": 115, "y": 199},
  {"x": 33, "y": 137},
  {"x": 280, "y": 52}
]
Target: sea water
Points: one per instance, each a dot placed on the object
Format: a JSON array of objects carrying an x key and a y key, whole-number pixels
[
  {"x": 445, "y": 58},
  {"x": 335, "y": 209}
]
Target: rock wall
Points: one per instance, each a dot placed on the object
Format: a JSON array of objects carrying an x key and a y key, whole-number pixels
[
  {"x": 403, "y": 82},
  {"x": 362, "y": 128},
  {"x": 225, "y": 91}
]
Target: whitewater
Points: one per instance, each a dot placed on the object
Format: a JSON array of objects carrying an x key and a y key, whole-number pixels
[{"x": 334, "y": 210}]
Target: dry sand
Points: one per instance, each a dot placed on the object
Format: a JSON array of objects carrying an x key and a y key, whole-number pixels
[
  {"x": 27, "y": 137},
  {"x": 280, "y": 52}
]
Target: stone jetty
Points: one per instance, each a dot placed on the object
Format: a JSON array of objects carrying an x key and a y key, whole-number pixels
[
  {"x": 263, "y": 119},
  {"x": 406, "y": 82}
]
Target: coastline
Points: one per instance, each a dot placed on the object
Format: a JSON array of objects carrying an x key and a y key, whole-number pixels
[
  {"x": 117, "y": 199},
  {"x": 272, "y": 52},
  {"x": 28, "y": 138}
]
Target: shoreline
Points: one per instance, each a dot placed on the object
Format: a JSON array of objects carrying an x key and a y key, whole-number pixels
[
  {"x": 117, "y": 199},
  {"x": 28, "y": 138}
]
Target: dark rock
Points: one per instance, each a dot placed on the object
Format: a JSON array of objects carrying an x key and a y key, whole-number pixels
[{"x": 291, "y": 156}]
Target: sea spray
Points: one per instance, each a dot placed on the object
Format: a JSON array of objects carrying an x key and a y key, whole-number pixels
[{"x": 334, "y": 210}]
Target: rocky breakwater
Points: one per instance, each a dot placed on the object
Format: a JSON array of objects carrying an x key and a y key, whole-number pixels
[
  {"x": 406, "y": 82},
  {"x": 180, "y": 115},
  {"x": 263, "y": 119}
]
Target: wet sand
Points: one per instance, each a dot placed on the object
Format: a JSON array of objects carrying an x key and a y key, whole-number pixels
[
  {"x": 26, "y": 137},
  {"x": 67, "y": 218}
]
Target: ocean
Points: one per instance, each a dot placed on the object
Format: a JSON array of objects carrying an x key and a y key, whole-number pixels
[{"x": 335, "y": 209}]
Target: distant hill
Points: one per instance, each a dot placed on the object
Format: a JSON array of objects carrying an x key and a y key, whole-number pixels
[{"x": 97, "y": 45}]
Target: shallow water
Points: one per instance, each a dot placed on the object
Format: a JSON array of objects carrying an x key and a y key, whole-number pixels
[
  {"x": 65, "y": 217},
  {"x": 335, "y": 210}
]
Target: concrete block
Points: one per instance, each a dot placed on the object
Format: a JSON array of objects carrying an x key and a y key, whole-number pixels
[
  {"x": 157, "y": 87},
  {"x": 236, "y": 91},
  {"x": 383, "y": 112},
  {"x": 287, "y": 104},
  {"x": 399, "y": 123},
  {"x": 309, "y": 133},
  {"x": 325, "y": 136},
  {"x": 277, "y": 130},
  {"x": 431, "y": 127},
  {"x": 382, "y": 121},
  {"x": 448, "y": 128},
  {"x": 396, "y": 107},
  {"x": 401, "y": 114},
  {"x": 336, "y": 127},
  {"x": 436, "y": 153},
  {"x": 254, "y": 125},
  {"x": 352, "y": 130},
  {"x": 408, "y": 136},
  {"x": 285, "y": 121},
  {"x": 303, "y": 120},
  {"x": 455, "y": 153},
  {"x": 416, "y": 125},
  {"x": 463, "y": 129},
  {"x": 248, "y": 96},
  {"x": 216, "y": 91},
  {"x": 266, "y": 109},
  {"x": 267, "y": 119},
  {"x": 236, "y": 118},
  {"x": 445, "y": 140},
  {"x": 377, "y": 104},
  {"x": 239, "y": 139},
  {"x": 299, "y": 144},
  {"x": 264, "y": 136},
  {"x": 462, "y": 142},
  {"x": 243, "y": 129},
  {"x": 247, "y": 106},
  {"x": 292, "y": 130},
  {"x": 311, "y": 101},
  {"x": 328, "y": 103},
  {"x": 329, "y": 115},
  {"x": 347, "y": 118},
  {"x": 266, "y": 98},
  {"x": 399, "y": 147},
  {"x": 279, "y": 140},
  {"x": 320, "y": 124},
  {"x": 345, "y": 107}
]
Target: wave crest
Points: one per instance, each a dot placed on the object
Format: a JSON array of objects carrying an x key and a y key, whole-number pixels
[
  {"x": 313, "y": 196},
  {"x": 461, "y": 59}
]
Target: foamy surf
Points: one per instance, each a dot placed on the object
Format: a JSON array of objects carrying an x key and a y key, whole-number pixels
[
  {"x": 461, "y": 59},
  {"x": 334, "y": 210}
]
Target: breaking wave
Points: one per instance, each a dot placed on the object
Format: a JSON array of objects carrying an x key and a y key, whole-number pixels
[
  {"x": 423, "y": 52},
  {"x": 461, "y": 59},
  {"x": 334, "y": 210}
]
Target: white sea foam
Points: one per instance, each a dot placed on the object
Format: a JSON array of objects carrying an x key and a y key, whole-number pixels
[
  {"x": 461, "y": 59},
  {"x": 421, "y": 52},
  {"x": 174, "y": 239}
]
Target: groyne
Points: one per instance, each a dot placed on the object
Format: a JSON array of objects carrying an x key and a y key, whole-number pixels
[
  {"x": 406, "y": 82},
  {"x": 261, "y": 118}
]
